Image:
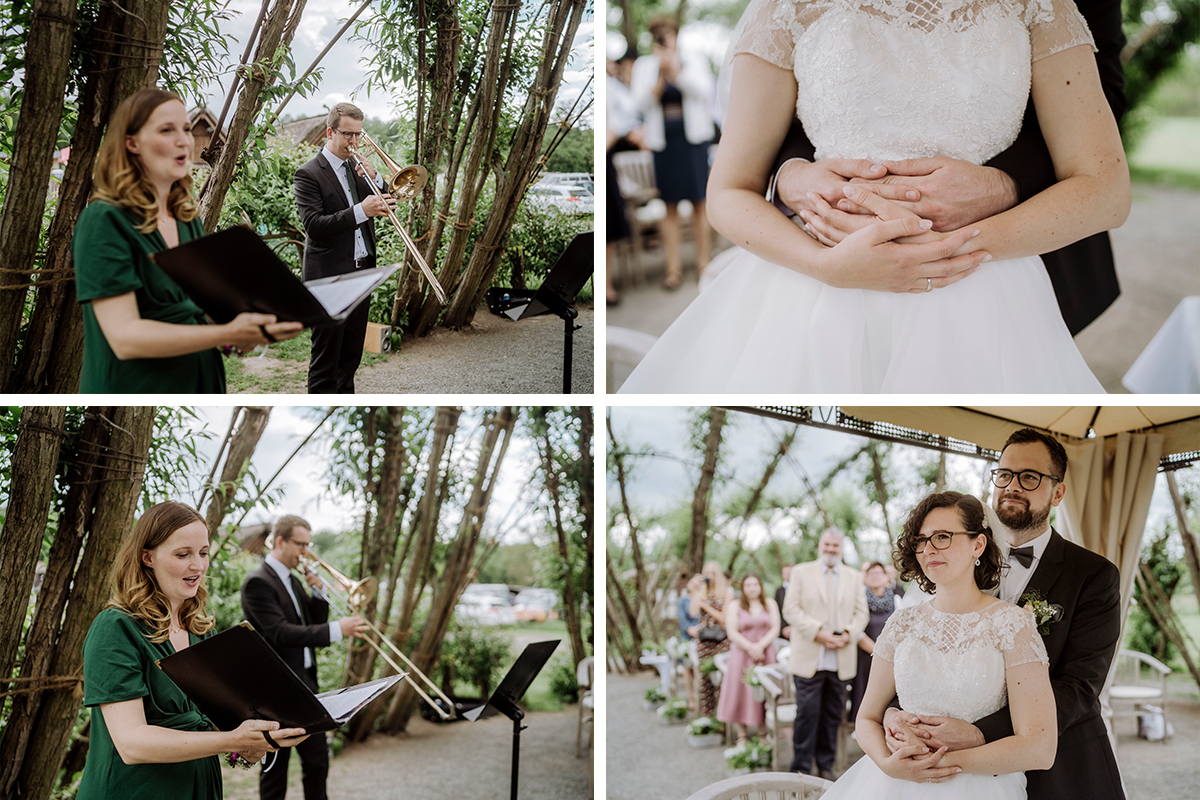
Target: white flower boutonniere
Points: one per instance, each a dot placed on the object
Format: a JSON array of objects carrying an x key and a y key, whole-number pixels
[{"x": 1043, "y": 610}]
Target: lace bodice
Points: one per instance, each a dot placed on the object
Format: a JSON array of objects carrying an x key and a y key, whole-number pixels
[
  {"x": 892, "y": 79},
  {"x": 953, "y": 664}
]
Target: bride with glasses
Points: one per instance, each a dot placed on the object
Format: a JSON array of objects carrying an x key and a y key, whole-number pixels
[{"x": 888, "y": 81}]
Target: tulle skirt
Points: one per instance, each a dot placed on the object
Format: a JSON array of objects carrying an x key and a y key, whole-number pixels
[
  {"x": 865, "y": 781},
  {"x": 763, "y": 328}
]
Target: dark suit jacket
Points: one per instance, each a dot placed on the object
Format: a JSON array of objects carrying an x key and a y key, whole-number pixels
[
  {"x": 328, "y": 220},
  {"x": 1081, "y": 647},
  {"x": 267, "y": 606},
  {"x": 1083, "y": 274},
  {"x": 780, "y": 593}
]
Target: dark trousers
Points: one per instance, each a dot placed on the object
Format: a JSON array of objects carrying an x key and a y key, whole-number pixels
[
  {"x": 819, "y": 704},
  {"x": 336, "y": 353},
  {"x": 314, "y": 763}
]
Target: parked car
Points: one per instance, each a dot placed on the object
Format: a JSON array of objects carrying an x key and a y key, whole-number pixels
[
  {"x": 536, "y": 605},
  {"x": 582, "y": 179},
  {"x": 485, "y": 609},
  {"x": 560, "y": 198},
  {"x": 500, "y": 590}
]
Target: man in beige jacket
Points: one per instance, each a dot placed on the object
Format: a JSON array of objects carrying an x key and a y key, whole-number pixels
[{"x": 826, "y": 607}]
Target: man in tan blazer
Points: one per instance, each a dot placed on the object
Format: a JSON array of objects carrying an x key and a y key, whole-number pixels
[{"x": 823, "y": 658}]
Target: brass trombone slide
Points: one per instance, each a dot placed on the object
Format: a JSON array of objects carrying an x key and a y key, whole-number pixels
[
  {"x": 406, "y": 182},
  {"x": 352, "y": 595}
]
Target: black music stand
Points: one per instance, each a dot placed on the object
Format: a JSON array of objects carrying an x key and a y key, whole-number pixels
[
  {"x": 557, "y": 294},
  {"x": 511, "y": 689}
]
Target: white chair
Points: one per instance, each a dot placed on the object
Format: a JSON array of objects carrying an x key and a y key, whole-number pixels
[
  {"x": 584, "y": 675},
  {"x": 765, "y": 786},
  {"x": 1138, "y": 679},
  {"x": 780, "y": 693},
  {"x": 623, "y": 350}
]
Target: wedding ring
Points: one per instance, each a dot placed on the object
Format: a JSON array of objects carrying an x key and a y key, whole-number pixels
[{"x": 929, "y": 288}]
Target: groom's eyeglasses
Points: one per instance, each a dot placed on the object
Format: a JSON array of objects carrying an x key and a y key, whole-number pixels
[
  {"x": 1028, "y": 478},
  {"x": 939, "y": 539}
]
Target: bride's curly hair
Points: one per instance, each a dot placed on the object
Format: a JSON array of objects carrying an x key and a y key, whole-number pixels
[
  {"x": 120, "y": 177},
  {"x": 970, "y": 511},
  {"x": 134, "y": 588}
]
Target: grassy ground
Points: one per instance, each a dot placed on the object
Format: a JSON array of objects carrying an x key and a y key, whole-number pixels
[{"x": 285, "y": 367}]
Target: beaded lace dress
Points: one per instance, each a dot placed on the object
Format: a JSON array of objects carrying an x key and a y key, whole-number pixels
[
  {"x": 949, "y": 665},
  {"x": 886, "y": 79}
]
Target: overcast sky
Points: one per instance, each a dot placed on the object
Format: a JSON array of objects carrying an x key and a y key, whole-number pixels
[
  {"x": 304, "y": 483},
  {"x": 344, "y": 71}
]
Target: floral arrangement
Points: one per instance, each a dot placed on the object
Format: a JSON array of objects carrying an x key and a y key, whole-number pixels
[
  {"x": 701, "y": 726},
  {"x": 1043, "y": 610},
  {"x": 673, "y": 710},
  {"x": 238, "y": 761},
  {"x": 708, "y": 666},
  {"x": 750, "y": 677},
  {"x": 753, "y": 754},
  {"x": 654, "y": 695}
]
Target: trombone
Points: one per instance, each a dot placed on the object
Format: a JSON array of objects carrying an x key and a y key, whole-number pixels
[
  {"x": 346, "y": 599},
  {"x": 405, "y": 184}
]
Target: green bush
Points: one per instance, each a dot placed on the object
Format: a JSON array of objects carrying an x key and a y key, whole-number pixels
[
  {"x": 472, "y": 654},
  {"x": 563, "y": 683}
]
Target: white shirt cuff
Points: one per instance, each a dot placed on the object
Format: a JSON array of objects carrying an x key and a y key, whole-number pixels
[
  {"x": 773, "y": 198},
  {"x": 360, "y": 216},
  {"x": 335, "y": 632}
]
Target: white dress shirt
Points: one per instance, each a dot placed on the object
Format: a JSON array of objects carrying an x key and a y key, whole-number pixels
[
  {"x": 285, "y": 575},
  {"x": 360, "y": 216},
  {"x": 828, "y": 660},
  {"x": 1013, "y": 584}
]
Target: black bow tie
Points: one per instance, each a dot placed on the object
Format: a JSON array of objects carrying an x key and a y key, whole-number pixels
[{"x": 1022, "y": 554}]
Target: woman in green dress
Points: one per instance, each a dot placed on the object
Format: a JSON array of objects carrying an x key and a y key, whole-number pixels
[
  {"x": 148, "y": 740},
  {"x": 142, "y": 333}
]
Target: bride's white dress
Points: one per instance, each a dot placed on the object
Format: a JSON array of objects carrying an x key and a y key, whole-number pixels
[
  {"x": 887, "y": 79},
  {"x": 949, "y": 665}
]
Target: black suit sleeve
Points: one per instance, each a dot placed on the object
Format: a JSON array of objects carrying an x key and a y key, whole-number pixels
[
  {"x": 317, "y": 223},
  {"x": 260, "y": 602}
]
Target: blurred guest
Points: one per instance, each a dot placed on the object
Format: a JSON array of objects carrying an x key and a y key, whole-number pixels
[
  {"x": 623, "y": 132},
  {"x": 881, "y": 603},
  {"x": 785, "y": 572},
  {"x": 675, "y": 94},
  {"x": 689, "y": 629},
  {"x": 752, "y": 625},
  {"x": 711, "y": 637}
]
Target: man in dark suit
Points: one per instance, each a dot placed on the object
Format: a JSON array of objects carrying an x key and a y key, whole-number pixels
[
  {"x": 955, "y": 193},
  {"x": 336, "y": 207},
  {"x": 1081, "y": 643},
  {"x": 785, "y": 571},
  {"x": 294, "y": 623}
]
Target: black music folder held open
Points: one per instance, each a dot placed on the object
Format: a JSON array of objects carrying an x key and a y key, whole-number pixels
[
  {"x": 233, "y": 271},
  {"x": 235, "y": 676}
]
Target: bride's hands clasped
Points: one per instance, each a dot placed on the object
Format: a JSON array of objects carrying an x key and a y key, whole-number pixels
[
  {"x": 896, "y": 253},
  {"x": 916, "y": 763}
]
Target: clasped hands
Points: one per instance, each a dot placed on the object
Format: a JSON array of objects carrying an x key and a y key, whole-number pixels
[
  {"x": 901, "y": 226},
  {"x": 918, "y": 744}
]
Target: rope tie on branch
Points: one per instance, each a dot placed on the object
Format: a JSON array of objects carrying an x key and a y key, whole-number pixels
[
  {"x": 67, "y": 272},
  {"x": 25, "y": 426},
  {"x": 506, "y": 6},
  {"x": 48, "y": 683},
  {"x": 488, "y": 248}
]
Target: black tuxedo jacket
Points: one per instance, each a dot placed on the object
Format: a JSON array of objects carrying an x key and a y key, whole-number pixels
[
  {"x": 1081, "y": 647},
  {"x": 267, "y": 606},
  {"x": 329, "y": 220},
  {"x": 1083, "y": 274},
  {"x": 780, "y": 593}
]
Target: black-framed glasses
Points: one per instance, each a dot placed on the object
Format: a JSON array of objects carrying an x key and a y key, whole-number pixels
[
  {"x": 351, "y": 136},
  {"x": 1029, "y": 479},
  {"x": 939, "y": 539}
]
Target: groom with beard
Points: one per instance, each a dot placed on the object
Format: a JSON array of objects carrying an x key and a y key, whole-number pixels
[{"x": 1081, "y": 642}]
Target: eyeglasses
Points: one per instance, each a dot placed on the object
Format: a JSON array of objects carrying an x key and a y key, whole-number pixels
[
  {"x": 351, "y": 136},
  {"x": 939, "y": 539},
  {"x": 1028, "y": 478}
]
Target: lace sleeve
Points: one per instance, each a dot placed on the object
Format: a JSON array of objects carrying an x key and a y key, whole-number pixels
[
  {"x": 1019, "y": 639},
  {"x": 769, "y": 29},
  {"x": 894, "y": 632},
  {"x": 1054, "y": 26}
]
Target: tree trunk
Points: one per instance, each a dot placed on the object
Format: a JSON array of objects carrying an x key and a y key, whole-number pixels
[
  {"x": 521, "y": 166},
  {"x": 587, "y": 502},
  {"x": 877, "y": 477},
  {"x": 698, "y": 536},
  {"x": 613, "y": 585},
  {"x": 939, "y": 484},
  {"x": 641, "y": 598},
  {"x": 51, "y": 356},
  {"x": 237, "y": 464},
  {"x": 785, "y": 444},
  {"x": 48, "y": 49},
  {"x": 122, "y": 465},
  {"x": 570, "y": 602},
  {"x": 34, "y": 463},
  {"x": 1190, "y": 555},
  {"x": 457, "y": 572},
  {"x": 274, "y": 40}
]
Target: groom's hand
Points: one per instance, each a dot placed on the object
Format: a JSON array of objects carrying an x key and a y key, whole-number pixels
[
  {"x": 954, "y": 734},
  {"x": 798, "y": 180},
  {"x": 898, "y": 730}
]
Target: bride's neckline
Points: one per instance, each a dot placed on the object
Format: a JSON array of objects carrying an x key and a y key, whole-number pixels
[{"x": 994, "y": 602}]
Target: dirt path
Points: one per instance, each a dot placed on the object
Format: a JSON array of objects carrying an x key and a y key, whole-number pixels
[
  {"x": 494, "y": 356},
  {"x": 462, "y": 759}
]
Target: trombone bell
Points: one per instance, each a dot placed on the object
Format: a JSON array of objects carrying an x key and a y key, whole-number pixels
[{"x": 408, "y": 182}]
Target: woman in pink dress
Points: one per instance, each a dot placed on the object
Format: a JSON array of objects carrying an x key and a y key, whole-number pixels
[{"x": 752, "y": 628}]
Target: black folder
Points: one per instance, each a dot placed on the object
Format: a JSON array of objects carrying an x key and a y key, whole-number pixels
[
  {"x": 516, "y": 682},
  {"x": 233, "y": 271},
  {"x": 235, "y": 676}
]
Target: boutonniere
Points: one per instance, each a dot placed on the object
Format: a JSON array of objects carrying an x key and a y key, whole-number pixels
[
  {"x": 238, "y": 761},
  {"x": 1043, "y": 610}
]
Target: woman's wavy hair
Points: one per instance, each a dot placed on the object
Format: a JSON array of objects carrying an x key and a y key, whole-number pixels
[
  {"x": 744, "y": 601},
  {"x": 120, "y": 177},
  {"x": 970, "y": 511},
  {"x": 134, "y": 588}
]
